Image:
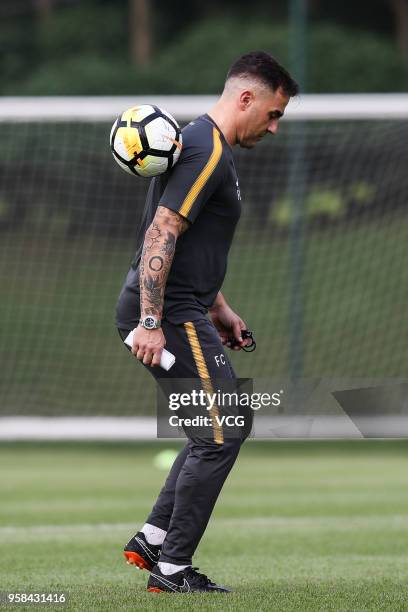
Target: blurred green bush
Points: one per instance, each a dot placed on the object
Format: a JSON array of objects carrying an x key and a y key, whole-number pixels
[
  {"x": 83, "y": 51},
  {"x": 325, "y": 205}
]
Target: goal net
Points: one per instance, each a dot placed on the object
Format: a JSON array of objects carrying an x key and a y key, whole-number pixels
[{"x": 318, "y": 269}]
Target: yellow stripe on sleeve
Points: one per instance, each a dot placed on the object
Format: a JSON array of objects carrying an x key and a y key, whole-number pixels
[
  {"x": 204, "y": 175},
  {"x": 204, "y": 377}
]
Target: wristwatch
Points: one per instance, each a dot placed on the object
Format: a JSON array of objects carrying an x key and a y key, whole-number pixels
[{"x": 150, "y": 322}]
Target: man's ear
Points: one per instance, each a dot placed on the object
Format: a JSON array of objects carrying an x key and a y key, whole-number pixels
[{"x": 246, "y": 98}]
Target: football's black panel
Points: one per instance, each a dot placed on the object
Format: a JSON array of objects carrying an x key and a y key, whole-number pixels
[
  {"x": 112, "y": 142},
  {"x": 143, "y": 138},
  {"x": 172, "y": 123},
  {"x": 158, "y": 153},
  {"x": 142, "y": 154},
  {"x": 150, "y": 118},
  {"x": 120, "y": 158},
  {"x": 158, "y": 114},
  {"x": 129, "y": 164}
]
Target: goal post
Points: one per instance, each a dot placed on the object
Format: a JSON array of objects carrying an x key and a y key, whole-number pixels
[
  {"x": 105, "y": 108},
  {"x": 69, "y": 219}
]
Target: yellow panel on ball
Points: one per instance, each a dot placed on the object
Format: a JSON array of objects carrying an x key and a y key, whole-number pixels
[
  {"x": 137, "y": 113},
  {"x": 131, "y": 141}
]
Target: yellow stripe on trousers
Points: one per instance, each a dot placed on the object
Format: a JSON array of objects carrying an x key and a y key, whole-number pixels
[{"x": 204, "y": 377}]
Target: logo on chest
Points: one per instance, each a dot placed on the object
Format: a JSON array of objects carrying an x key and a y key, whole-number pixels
[{"x": 238, "y": 191}]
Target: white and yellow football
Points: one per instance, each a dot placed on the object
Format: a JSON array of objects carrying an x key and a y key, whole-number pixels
[{"x": 146, "y": 140}]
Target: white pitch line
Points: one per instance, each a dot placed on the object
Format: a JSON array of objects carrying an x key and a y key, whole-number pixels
[
  {"x": 51, "y": 529},
  {"x": 280, "y": 523}
]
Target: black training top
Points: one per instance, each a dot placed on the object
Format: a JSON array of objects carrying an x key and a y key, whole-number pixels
[{"x": 202, "y": 187}]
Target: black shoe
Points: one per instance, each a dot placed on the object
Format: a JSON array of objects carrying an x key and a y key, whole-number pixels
[
  {"x": 185, "y": 581},
  {"x": 140, "y": 553}
]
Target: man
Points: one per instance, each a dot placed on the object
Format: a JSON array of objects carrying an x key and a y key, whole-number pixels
[{"x": 175, "y": 279}]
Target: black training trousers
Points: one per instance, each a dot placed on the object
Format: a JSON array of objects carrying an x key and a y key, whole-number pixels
[{"x": 186, "y": 501}]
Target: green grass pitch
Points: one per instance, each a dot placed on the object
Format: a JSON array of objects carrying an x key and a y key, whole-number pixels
[{"x": 298, "y": 526}]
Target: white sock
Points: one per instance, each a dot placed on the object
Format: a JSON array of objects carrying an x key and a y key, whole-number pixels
[
  {"x": 170, "y": 568},
  {"x": 154, "y": 535}
]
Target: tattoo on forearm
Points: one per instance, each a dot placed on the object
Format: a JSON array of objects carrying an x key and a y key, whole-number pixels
[
  {"x": 150, "y": 311},
  {"x": 153, "y": 290},
  {"x": 169, "y": 244},
  {"x": 153, "y": 236},
  {"x": 156, "y": 263},
  {"x": 157, "y": 256},
  {"x": 171, "y": 217}
]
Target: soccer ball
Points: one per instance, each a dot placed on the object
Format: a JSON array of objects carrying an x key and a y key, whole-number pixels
[{"x": 146, "y": 140}]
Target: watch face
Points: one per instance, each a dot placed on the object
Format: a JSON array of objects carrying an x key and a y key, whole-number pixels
[{"x": 149, "y": 323}]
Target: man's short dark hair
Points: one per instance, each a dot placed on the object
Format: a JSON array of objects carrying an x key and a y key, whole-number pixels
[{"x": 266, "y": 69}]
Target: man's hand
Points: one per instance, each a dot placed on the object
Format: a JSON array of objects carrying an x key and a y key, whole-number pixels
[
  {"x": 228, "y": 324},
  {"x": 148, "y": 345}
]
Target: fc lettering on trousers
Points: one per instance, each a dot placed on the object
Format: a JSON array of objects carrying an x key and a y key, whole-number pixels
[{"x": 220, "y": 359}]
